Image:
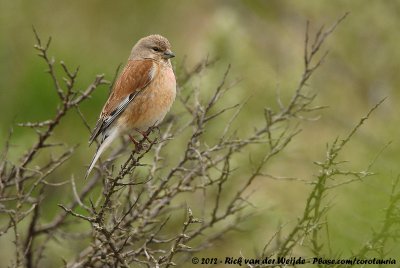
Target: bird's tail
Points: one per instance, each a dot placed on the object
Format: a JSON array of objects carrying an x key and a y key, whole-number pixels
[{"x": 104, "y": 144}]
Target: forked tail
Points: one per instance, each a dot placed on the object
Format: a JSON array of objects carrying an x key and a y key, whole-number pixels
[{"x": 104, "y": 144}]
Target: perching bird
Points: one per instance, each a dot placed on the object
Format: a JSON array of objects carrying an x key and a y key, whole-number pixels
[{"x": 141, "y": 96}]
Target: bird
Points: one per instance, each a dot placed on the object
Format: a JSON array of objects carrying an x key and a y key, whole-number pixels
[{"x": 141, "y": 96}]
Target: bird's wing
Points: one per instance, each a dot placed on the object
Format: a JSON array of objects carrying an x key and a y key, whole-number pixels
[{"x": 135, "y": 77}]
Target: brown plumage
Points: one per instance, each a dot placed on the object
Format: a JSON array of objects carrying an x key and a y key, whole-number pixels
[{"x": 142, "y": 95}]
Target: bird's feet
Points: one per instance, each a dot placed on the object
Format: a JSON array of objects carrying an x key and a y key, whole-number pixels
[
  {"x": 138, "y": 145},
  {"x": 145, "y": 135}
]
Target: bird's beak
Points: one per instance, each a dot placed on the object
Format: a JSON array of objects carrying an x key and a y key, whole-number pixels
[{"x": 168, "y": 54}]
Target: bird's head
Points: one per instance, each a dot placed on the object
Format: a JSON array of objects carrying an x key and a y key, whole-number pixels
[{"x": 154, "y": 47}]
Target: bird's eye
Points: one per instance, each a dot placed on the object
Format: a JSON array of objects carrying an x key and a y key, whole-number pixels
[{"x": 155, "y": 49}]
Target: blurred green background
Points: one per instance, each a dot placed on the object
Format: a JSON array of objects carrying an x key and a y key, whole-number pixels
[{"x": 264, "y": 42}]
